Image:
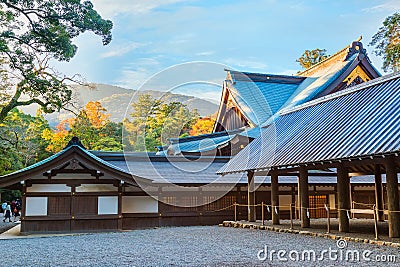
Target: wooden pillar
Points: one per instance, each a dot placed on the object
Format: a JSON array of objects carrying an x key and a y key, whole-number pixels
[
  {"x": 251, "y": 197},
  {"x": 200, "y": 207},
  {"x": 293, "y": 208},
  {"x": 343, "y": 191},
  {"x": 275, "y": 198},
  {"x": 74, "y": 203},
  {"x": 393, "y": 197},
  {"x": 120, "y": 189},
  {"x": 161, "y": 205},
  {"x": 304, "y": 201},
  {"x": 23, "y": 208},
  {"x": 379, "y": 192}
]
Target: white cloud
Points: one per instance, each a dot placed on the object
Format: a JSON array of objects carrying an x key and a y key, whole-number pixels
[
  {"x": 205, "y": 53},
  {"x": 389, "y": 6},
  {"x": 213, "y": 96},
  {"x": 246, "y": 64},
  {"x": 133, "y": 79},
  {"x": 120, "y": 50},
  {"x": 113, "y": 8}
]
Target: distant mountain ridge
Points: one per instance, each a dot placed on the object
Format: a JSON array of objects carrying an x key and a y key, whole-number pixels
[{"x": 116, "y": 100}]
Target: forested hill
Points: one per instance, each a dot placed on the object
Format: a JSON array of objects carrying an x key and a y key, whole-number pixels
[{"x": 116, "y": 99}]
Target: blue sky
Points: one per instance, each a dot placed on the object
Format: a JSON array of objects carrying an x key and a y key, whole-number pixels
[{"x": 258, "y": 36}]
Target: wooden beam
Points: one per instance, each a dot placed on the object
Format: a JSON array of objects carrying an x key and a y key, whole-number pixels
[
  {"x": 251, "y": 197},
  {"x": 304, "y": 201},
  {"x": 343, "y": 191},
  {"x": 379, "y": 192},
  {"x": 393, "y": 197},
  {"x": 275, "y": 198}
]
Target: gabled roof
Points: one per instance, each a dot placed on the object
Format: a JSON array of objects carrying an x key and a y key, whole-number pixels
[
  {"x": 259, "y": 96},
  {"x": 357, "y": 122},
  {"x": 60, "y": 158},
  {"x": 324, "y": 77}
]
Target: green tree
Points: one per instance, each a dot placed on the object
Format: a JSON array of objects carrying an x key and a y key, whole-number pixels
[
  {"x": 154, "y": 122},
  {"x": 107, "y": 137},
  {"x": 387, "y": 43},
  {"x": 312, "y": 57},
  {"x": 32, "y": 33},
  {"x": 21, "y": 142}
]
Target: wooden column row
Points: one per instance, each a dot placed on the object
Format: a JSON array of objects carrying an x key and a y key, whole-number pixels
[{"x": 343, "y": 196}]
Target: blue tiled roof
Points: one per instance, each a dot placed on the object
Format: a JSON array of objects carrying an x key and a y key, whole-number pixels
[
  {"x": 356, "y": 122},
  {"x": 201, "y": 145},
  {"x": 259, "y": 100},
  {"x": 261, "y": 96}
]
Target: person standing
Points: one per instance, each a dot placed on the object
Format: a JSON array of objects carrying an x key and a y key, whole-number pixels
[
  {"x": 8, "y": 213},
  {"x": 4, "y": 206},
  {"x": 16, "y": 214},
  {"x": 13, "y": 204}
]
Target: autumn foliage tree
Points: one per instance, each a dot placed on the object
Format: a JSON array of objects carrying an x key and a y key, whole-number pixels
[
  {"x": 92, "y": 126},
  {"x": 202, "y": 126},
  {"x": 57, "y": 138},
  {"x": 96, "y": 115}
]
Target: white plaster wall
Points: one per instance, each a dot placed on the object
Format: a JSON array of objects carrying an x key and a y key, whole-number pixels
[
  {"x": 96, "y": 188},
  {"x": 107, "y": 205},
  {"x": 139, "y": 204},
  {"x": 52, "y": 188},
  {"x": 36, "y": 206}
]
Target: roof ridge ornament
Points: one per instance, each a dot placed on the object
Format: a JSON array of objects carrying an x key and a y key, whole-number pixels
[
  {"x": 75, "y": 142},
  {"x": 356, "y": 48}
]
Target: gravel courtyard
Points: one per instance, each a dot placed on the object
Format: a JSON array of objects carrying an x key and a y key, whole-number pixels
[{"x": 178, "y": 246}]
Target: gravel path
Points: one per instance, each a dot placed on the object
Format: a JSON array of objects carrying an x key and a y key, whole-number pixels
[
  {"x": 4, "y": 226},
  {"x": 175, "y": 246}
]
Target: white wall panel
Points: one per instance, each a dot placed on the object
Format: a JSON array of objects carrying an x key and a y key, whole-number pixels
[
  {"x": 139, "y": 204},
  {"x": 36, "y": 206},
  {"x": 107, "y": 205}
]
